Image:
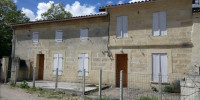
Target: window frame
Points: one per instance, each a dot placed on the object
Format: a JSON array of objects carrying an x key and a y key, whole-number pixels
[
  {"x": 159, "y": 22},
  {"x": 57, "y": 37},
  {"x": 122, "y": 27},
  {"x": 35, "y": 41},
  {"x": 81, "y": 34}
]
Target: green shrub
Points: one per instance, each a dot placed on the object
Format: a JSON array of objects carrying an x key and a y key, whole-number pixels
[
  {"x": 73, "y": 94},
  {"x": 148, "y": 98},
  {"x": 103, "y": 98},
  {"x": 24, "y": 85},
  {"x": 154, "y": 89},
  {"x": 12, "y": 84},
  {"x": 168, "y": 89}
]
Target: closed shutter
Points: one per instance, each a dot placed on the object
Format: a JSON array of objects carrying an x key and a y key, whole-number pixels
[
  {"x": 55, "y": 63},
  {"x": 163, "y": 23},
  {"x": 163, "y": 58},
  {"x": 83, "y": 63},
  {"x": 80, "y": 65},
  {"x": 119, "y": 27},
  {"x": 125, "y": 26},
  {"x": 86, "y": 64},
  {"x": 59, "y": 36},
  {"x": 60, "y": 60},
  {"x": 156, "y": 67},
  {"x": 83, "y": 34},
  {"x": 35, "y": 37},
  {"x": 156, "y": 29}
]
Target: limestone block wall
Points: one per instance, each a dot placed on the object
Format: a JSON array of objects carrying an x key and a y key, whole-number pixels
[
  {"x": 140, "y": 19},
  {"x": 196, "y": 41},
  {"x": 70, "y": 48}
]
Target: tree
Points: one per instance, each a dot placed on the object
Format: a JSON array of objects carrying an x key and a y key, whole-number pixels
[
  {"x": 8, "y": 14},
  {"x": 56, "y": 11}
]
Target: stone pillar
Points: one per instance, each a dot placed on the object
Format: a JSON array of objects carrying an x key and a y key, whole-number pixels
[
  {"x": 4, "y": 68},
  {"x": 15, "y": 62}
]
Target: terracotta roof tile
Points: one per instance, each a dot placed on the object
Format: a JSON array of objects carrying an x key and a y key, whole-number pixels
[
  {"x": 59, "y": 20},
  {"x": 108, "y": 6}
]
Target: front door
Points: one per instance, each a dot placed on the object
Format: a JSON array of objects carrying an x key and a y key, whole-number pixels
[
  {"x": 41, "y": 66},
  {"x": 121, "y": 64}
]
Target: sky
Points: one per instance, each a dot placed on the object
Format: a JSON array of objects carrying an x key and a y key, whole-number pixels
[{"x": 34, "y": 8}]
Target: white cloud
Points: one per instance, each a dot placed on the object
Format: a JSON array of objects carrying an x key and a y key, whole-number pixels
[
  {"x": 76, "y": 9},
  {"x": 120, "y": 1},
  {"x": 135, "y": 1},
  {"x": 43, "y": 7},
  {"x": 28, "y": 13},
  {"x": 109, "y": 2},
  {"x": 15, "y": 1}
]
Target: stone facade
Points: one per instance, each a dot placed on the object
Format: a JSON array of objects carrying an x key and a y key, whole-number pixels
[{"x": 180, "y": 44}]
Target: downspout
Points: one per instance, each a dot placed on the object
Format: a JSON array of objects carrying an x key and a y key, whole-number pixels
[
  {"x": 109, "y": 52},
  {"x": 13, "y": 45}
]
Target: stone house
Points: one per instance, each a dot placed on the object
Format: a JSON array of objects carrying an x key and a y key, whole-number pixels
[{"x": 140, "y": 38}]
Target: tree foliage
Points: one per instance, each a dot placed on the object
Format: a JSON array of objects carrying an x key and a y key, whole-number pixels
[
  {"x": 8, "y": 14},
  {"x": 56, "y": 11}
]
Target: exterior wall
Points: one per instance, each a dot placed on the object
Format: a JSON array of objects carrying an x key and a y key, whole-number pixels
[
  {"x": 140, "y": 43},
  {"x": 195, "y": 41},
  {"x": 71, "y": 47}
]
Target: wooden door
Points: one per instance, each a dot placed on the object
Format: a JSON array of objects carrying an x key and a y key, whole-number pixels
[
  {"x": 41, "y": 66},
  {"x": 121, "y": 64}
]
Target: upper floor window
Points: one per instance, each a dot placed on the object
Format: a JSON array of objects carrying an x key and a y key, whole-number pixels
[
  {"x": 195, "y": 1},
  {"x": 84, "y": 34},
  {"x": 59, "y": 36},
  {"x": 35, "y": 37},
  {"x": 122, "y": 26},
  {"x": 159, "y": 23}
]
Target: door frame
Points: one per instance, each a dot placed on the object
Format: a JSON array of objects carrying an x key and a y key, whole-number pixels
[
  {"x": 38, "y": 67},
  {"x": 116, "y": 69}
]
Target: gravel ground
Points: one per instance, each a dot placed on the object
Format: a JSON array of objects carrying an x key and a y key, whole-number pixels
[{"x": 9, "y": 93}]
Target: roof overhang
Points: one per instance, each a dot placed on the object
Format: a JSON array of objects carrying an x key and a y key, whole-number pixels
[
  {"x": 58, "y": 20},
  {"x": 102, "y": 9}
]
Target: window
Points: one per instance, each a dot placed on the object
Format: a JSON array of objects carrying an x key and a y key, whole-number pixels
[
  {"x": 159, "y": 66},
  {"x": 122, "y": 26},
  {"x": 35, "y": 37},
  {"x": 195, "y": 1},
  {"x": 159, "y": 24},
  {"x": 58, "y": 36},
  {"x": 84, "y": 34},
  {"x": 83, "y": 63},
  {"x": 57, "y": 63}
]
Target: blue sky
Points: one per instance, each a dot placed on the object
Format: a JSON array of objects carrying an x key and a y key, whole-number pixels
[{"x": 34, "y": 8}]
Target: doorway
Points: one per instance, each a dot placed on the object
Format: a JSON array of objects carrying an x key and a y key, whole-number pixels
[
  {"x": 121, "y": 64},
  {"x": 40, "y": 66}
]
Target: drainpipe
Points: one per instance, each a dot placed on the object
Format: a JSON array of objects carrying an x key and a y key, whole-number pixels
[
  {"x": 13, "y": 45},
  {"x": 109, "y": 53}
]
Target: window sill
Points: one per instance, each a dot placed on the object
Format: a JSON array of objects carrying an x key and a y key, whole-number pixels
[{"x": 164, "y": 83}]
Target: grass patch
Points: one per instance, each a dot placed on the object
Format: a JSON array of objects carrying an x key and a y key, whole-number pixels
[
  {"x": 103, "y": 98},
  {"x": 12, "y": 84},
  {"x": 24, "y": 85},
  {"x": 148, "y": 98}
]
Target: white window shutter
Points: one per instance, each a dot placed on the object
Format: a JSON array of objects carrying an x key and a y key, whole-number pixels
[
  {"x": 80, "y": 65},
  {"x": 163, "y": 58},
  {"x": 125, "y": 26},
  {"x": 86, "y": 57},
  {"x": 83, "y": 34},
  {"x": 55, "y": 63},
  {"x": 156, "y": 67},
  {"x": 119, "y": 27},
  {"x": 156, "y": 29},
  {"x": 163, "y": 23},
  {"x": 35, "y": 37},
  {"x": 59, "y": 36},
  {"x": 60, "y": 60}
]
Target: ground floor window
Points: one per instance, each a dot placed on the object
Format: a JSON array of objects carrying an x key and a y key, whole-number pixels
[
  {"x": 159, "y": 66},
  {"x": 57, "y": 63},
  {"x": 83, "y": 63}
]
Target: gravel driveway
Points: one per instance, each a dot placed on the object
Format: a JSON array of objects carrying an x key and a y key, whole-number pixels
[{"x": 8, "y": 93}]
